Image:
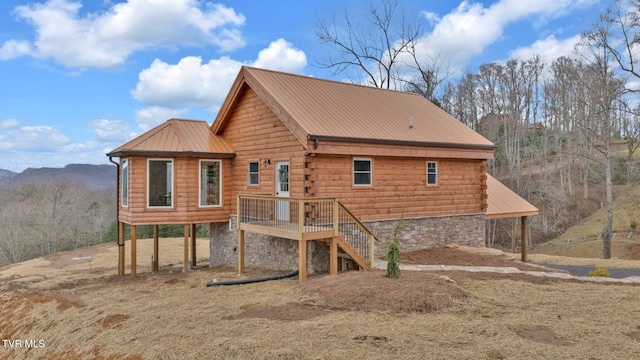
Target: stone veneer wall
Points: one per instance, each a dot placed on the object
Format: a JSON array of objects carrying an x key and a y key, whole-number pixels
[
  {"x": 266, "y": 251},
  {"x": 430, "y": 232},
  {"x": 282, "y": 254}
]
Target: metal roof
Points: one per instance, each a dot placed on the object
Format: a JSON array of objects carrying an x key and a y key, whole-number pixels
[
  {"x": 176, "y": 137},
  {"x": 318, "y": 108},
  {"x": 502, "y": 202}
]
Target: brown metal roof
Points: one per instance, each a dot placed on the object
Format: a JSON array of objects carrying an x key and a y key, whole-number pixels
[
  {"x": 502, "y": 202},
  {"x": 317, "y": 108},
  {"x": 177, "y": 137}
]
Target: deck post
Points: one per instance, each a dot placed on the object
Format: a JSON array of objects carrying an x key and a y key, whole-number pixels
[
  {"x": 240, "y": 251},
  {"x": 336, "y": 217},
  {"x": 372, "y": 251},
  {"x": 523, "y": 237},
  {"x": 302, "y": 261},
  {"x": 185, "y": 266},
  {"x": 300, "y": 218},
  {"x": 156, "y": 248},
  {"x": 193, "y": 245},
  {"x": 133, "y": 250},
  {"x": 333, "y": 256},
  {"x": 120, "y": 248}
]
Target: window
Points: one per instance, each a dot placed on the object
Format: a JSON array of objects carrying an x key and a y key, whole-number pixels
[
  {"x": 432, "y": 173},
  {"x": 254, "y": 173},
  {"x": 210, "y": 182},
  {"x": 125, "y": 182},
  {"x": 160, "y": 183},
  {"x": 362, "y": 172}
]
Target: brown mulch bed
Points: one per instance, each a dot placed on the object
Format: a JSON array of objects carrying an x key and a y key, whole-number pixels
[{"x": 455, "y": 256}]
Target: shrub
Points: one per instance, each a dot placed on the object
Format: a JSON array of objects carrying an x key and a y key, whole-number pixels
[
  {"x": 633, "y": 225},
  {"x": 599, "y": 272},
  {"x": 393, "y": 251}
]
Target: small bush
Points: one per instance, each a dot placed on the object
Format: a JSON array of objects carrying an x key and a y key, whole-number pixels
[
  {"x": 393, "y": 252},
  {"x": 633, "y": 225},
  {"x": 599, "y": 272}
]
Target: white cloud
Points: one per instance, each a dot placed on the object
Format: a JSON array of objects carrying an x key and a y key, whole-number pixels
[
  {"x": 107, "y": 39},
  {"x": 12, "y": 49},
  {"x": 9, "y": 123},
  {"x": 192, "y": 83},
  {"x": 33, "y": 139},
  {"x": 151, "y": 116},
  {"x": 548, "y": 49},
  {"x": 110, "y": 130},
  {"x": 280, "y": 55},
  {"x": 468, "y": 30}
]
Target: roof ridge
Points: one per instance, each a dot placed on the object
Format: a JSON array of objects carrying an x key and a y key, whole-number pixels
[{"x": 251, "y": 68}]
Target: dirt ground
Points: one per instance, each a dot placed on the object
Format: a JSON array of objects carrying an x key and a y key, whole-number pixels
[{"x": 79, "y": 308}]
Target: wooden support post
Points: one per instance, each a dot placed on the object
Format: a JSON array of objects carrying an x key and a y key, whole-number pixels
[
  {"x": 513, "y": 236},
  {"x": 523, "y": 237},
  {"x": 193, "y": 245},
  {"x": 185, "y": 266},
  {"x": 333, "y": 256},
  {"x": 133, "y": 250},
  {"x": 120, "y": 248},
  {"x": 372, "y": 251},
  {"x": 156, "y": 248},
  {"x": 302, "y": 261},
  {"x": 240, "y": 251},
  {"x": 336, "y": 217}
]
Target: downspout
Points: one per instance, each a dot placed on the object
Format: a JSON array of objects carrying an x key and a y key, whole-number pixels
[{"x": 120, "y": 242}]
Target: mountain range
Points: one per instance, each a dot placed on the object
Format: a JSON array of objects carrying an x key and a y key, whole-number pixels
[{"x": 94, "y": 177}]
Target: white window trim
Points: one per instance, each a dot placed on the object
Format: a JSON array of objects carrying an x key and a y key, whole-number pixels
[
  {"x": 200, "y": 183},
  {"x": 249, "y": 173},
  {"x": 127, "y": 162},
  {"x": 353, "y": 172},
  {"x": 173, "y": 183},
  {"x": 437, "y": 182}
]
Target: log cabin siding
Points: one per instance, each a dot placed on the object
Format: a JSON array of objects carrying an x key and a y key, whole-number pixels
[
  {"x": 186, "y": 207},
  {"x": 256, "y": 134},
  {"x": 399, "y": 187}
]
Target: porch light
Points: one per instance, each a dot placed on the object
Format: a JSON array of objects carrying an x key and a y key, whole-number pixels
[{"x": 266, "y": 162}]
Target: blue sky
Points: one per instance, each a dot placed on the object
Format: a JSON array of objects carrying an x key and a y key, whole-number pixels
[{"x": 80, "y": 77}]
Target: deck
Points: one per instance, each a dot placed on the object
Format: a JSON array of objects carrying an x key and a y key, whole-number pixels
[{"x": 305, "y": 219}]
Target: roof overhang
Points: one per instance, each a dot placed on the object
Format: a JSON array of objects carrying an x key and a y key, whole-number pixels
[
  {"x": 503, "y": 202},
  {"x": 124, "y": 153}
]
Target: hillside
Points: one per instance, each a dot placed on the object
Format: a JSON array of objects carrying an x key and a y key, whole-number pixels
[
  {"x": 583, "y": 239},
  {"x": 92, "y": 177},
  {"x": 71, "y": 305}
]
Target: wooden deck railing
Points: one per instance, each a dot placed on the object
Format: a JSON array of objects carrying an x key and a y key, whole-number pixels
[{"x": 307, "y": 219}]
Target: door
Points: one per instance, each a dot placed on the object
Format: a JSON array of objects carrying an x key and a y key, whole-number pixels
[{"x": 282, "y": 190}]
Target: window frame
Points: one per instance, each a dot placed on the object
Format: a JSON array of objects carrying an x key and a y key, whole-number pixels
[
  {"x": 200, "y": 204},
  {"x": 435, "y": 173},
  {"x": 354, "y": 172},
  {"x": 249, "y": 173},
  {"x": 125, "y": 175},
  {"x": 173, "y": 183}
]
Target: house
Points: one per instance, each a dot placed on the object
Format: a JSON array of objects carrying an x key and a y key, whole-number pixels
[{"x": 303, "y": 172}]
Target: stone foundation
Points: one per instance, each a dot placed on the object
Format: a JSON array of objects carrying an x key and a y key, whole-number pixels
[
  {"x": 430, "y": 232},
  {"x": 275, "y": 253},
  {"x": 268, "y": 252}
]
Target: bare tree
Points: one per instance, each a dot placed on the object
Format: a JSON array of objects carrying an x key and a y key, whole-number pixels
[
  {"x": 618, "y": 32},
  {"x": 605, "y": 89},
  {"x": 375, "y": 49},
  {"x": 431, "y": 74}
]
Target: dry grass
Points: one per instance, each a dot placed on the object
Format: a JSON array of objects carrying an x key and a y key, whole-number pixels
[{"x": 82, "y": 310}]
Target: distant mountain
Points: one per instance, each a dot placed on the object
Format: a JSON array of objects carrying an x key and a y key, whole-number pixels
[
  {"x": 6, "y": 174},
  {"x": 94, "y": 177}
]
